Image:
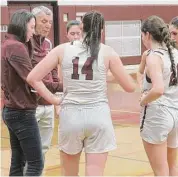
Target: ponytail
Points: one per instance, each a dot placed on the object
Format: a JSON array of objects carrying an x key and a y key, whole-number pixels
[
  {"x": 92, "y": 25},
  {"x": 169, "y": 45}
]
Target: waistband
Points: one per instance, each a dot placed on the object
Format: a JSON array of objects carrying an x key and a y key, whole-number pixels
[{"x": 83, "y": 106}]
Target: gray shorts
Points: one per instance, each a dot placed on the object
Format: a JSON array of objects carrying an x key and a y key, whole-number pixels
[
  {"x": 86, "y": 126},
  {"x": 159, "y": 124}
]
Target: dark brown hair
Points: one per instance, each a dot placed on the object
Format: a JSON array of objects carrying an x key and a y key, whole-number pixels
[
  {"x": 72, "y": 23},
  {"x": 18, "y": 27},
  {"x": 93, "y": 23},
  {"x": 160, "y": 33},
  {"x": 174, "y": 22}
]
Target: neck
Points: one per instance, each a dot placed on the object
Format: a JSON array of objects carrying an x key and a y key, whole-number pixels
[
  {"x": 39, "y": 38},
  {"x": 156, "y": 45}
]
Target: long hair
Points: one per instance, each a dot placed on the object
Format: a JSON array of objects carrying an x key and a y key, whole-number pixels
[
  {"x": 93, "y": 23},
  {"x": 18, "y": 27},
  {"x": 160, "y": 33}
]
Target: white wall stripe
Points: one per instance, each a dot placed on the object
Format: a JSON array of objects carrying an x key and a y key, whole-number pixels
[
  {"x": 117, "y": 2},
  {"x": 3, "y": 2}
]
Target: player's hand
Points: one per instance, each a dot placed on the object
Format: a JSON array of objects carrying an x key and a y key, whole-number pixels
[
  {"x": 142, "y": 98},
  {"x": 56, "y": 100},
  {"x": 57, "y": 108}
]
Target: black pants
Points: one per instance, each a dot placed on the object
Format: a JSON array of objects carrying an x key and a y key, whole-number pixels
[{"x": 25, "y": 142}]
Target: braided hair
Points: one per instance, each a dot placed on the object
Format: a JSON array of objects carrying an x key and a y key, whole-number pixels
[
  {"x": 160, "y": 33},
  {"x": 93, "y": 23}
]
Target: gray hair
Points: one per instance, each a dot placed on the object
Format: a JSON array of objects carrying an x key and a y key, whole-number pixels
[{"x": 37, "y": 10}]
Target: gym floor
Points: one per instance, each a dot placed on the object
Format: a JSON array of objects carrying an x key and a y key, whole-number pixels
[{"x": 129, "y": 159}]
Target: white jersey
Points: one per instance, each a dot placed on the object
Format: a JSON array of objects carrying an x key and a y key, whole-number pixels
[
  {"x": 83, "y": 83},
  {"x": 170, "y": 96}
]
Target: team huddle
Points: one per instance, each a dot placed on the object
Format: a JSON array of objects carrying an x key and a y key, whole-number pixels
[{"x": 73, "y": 76}]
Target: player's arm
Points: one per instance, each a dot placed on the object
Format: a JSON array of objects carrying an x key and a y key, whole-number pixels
[
  {"x": 141, "y": 69},
  {"x": 119, "y": 72},
  {"x": 110, "y": 78},
  {"x": 41, "y": 70},
  {"x": 154, "y": 70},
  {"x": 60, "y": 74}
]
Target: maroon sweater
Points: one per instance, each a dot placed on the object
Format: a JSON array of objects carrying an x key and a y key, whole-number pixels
[
  {"x": 15, "y": 67},
  {"x": 41, "y": 48}
]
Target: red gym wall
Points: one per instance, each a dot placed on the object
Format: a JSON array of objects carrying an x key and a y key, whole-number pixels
[
  {"x": 118, "y": 100},
  {"x": 118, "y": 13}
]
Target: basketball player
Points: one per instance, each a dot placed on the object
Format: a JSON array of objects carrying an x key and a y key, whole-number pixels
[
  {"x": 173, "y": 27},
  {"x": 159, "y": 119},
  {"x": 73, "y": 30},
  {"x": 85, "y": 119}
]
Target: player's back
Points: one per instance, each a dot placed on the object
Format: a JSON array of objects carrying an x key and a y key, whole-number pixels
[
  {"x": 85, "y": 83},
  {"x": 170, "y": 96}
]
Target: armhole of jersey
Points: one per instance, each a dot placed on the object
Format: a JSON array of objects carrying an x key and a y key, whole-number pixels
[
  {"x": 161, "y": 55},
  {"x": 102, "y": 55},
  {"x": 148, "y": 52},
  {"x": 157, "y": 52},
  {"x": 65, "y": 51}
]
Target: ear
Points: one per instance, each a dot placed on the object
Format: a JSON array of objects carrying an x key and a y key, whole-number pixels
[
  {"x": 148, "y": 36},
  {"x": 66, "y": 37},
  {"x": 81, "y": 26}
]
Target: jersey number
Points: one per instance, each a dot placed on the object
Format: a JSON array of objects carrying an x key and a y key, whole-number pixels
[
  {"x": 86, "y": 69},
  {"x": 171, "y": 83}
]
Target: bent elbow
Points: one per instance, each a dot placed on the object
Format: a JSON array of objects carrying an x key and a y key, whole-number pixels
[
  {"x": 131, "y": 89},
  {"x": 30, "y": 80},
  {"x": 159, "y": 91}
]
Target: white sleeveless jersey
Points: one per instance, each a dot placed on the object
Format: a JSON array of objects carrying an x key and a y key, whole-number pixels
[
  {"x": 170, "y": 96},
  {"x": 83, "y": 83}
]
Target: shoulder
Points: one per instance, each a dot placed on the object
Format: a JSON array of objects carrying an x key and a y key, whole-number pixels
[
  {"x": 58, "y": 51},
  {"x": 12, "y": 43},
  {"x": 16, "y": 47},
  {"x": 108, "y": 51},
  {"x": 146, "y": 53},
  {"x": 61, "y": 46},
  {"x": 17, "y": 52},
  {"x": 156, "y": 56},
  {"x": 104, "y": 46},
  {"x": 154, "y": 59}
]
